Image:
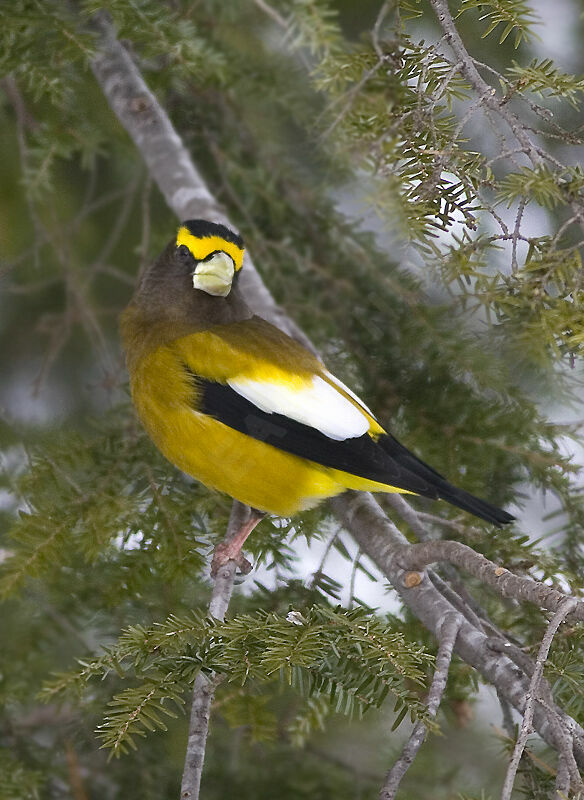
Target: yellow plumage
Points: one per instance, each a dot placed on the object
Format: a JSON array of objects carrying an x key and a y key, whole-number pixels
[{"x": 252, "y": 471}]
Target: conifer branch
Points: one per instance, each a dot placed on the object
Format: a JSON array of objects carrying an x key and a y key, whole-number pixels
[
  {"x": 489, "y": 98},
  {"x": 486, "y": 93},
  {"x": 448, "y": 634}
]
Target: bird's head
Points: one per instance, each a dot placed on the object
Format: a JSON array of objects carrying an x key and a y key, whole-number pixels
[
  {"x": 193, "y": 282},
  {"x": 212, "y": 254}
]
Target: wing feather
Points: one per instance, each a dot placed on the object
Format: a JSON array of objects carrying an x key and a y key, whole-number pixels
[
  {"x": 312, "y": 402},
  {"x": 360, "y": 456},
  {"x": 253, "y": 378}
]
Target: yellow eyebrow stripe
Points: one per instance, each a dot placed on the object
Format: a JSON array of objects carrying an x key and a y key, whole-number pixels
[{"x": 201, "y": 247}]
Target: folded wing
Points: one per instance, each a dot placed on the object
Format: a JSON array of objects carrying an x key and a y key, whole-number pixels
[
  {"x": 272, "y": 389},
  {"x": 357, "y": 453}
]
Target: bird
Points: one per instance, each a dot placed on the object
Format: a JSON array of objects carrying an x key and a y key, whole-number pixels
[{"x": 245, "y": 409}]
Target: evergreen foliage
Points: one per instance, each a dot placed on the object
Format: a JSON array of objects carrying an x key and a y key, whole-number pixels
[
  {"x": 349, "y": 658},
  {"x": 516, "y": 16},
  {"x": 285, "y": 113}
]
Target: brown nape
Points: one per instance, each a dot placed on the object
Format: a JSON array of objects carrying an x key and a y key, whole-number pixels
[{"x": 166, "y": 306}]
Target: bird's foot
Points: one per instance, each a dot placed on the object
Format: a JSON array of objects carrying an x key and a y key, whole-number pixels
[{"x": 229, "y": 551}]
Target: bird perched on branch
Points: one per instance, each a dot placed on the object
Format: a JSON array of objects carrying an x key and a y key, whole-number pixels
[{"x": 242, "y": 407}]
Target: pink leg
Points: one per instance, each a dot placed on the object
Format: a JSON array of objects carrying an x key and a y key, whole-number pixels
[{"x": 231, "y": 550}]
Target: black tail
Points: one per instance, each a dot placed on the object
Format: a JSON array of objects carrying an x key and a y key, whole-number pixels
[{"x": 440, "y": 486}]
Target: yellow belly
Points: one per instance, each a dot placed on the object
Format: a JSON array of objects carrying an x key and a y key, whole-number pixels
[{"x": 249, "y": 470}]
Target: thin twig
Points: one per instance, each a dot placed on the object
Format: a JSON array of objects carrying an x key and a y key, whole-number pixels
[
  {"x": 567, "y": 606},
  {"x": 115, "y": 233},
  {"x": 448, "y": 634},
  {"x": 67, "y": 229},
  {"x": 271, "y": 12},
  {"x": 24, "y": 121},
  {"x": 353, "y": 576},
  {"x": 378, "y": 24},
  {"x": 516, "y": 233},
  {"x": 352, "y": 93},
  {"x": 318, "y": 571},
  {"x": 74, "y": 770},
  {"x": 416, "y": 519},
  {"x": 561, "y": 727},
  {"x": 204, "y": 688},
  {"x": 492, "y": 101}
]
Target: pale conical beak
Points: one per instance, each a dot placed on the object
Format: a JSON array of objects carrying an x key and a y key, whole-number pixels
[{"x": 215, "y": 276}]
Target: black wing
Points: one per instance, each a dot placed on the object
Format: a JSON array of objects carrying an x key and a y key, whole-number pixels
[
  {"x": 360, "y": 455},
  {"x": 382, "y": 459}
]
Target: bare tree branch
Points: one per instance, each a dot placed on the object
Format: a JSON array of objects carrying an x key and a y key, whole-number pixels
[
  {"x": 448, "y": 633},
  {"x": 381, "y": 540},
  {"x": 565, "y": 608},
  {"x": 455, "y": 591},
  {"x": 204, "y": 688},
  {"x": 418, "y": 556},
  {"x": 560, "y": 726}
]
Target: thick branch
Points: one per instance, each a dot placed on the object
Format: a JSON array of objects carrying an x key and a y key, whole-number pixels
[
  {"x": 448, "y": 633},
  {"x": 379, "y": 539},
  {"x": 418, "y": 556},
  {"x": 204, "y": 688},
  {"x": 455, "y": 591}
]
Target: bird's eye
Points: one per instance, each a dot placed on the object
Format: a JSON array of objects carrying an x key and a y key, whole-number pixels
[{"x": 184, "y": 253}]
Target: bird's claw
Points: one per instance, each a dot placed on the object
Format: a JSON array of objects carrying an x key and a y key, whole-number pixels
[{"x": 223, "y": 553}]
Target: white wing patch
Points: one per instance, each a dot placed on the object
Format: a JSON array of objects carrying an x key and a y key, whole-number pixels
[
  {"x": 346, "y": 389},
  {"x": 315, "y": 403}
]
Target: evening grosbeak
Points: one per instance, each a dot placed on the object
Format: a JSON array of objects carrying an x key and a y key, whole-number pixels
[{"x": 237, "y": 404}]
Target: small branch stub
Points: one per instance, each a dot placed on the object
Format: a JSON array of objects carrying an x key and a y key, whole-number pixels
[{"x": 412, "y": 579}]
